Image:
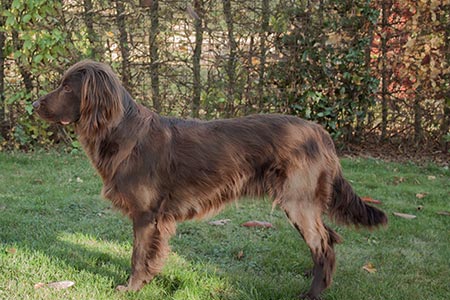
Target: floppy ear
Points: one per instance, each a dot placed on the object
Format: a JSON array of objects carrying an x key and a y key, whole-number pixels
[{"x": 101, "y": 99}]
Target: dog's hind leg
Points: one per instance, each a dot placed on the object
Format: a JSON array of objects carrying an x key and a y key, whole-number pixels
[
  {"x": 304, "y": 210},
  {"x": 150, "y": 250},
  {"x": 320, "y": 239}
]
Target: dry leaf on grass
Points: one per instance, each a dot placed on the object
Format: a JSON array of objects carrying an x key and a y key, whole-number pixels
[
  {"x": 11, "y": 250},
  {"x": 39, "y": 285},
  {"x": 405, "y": 216},
  {"x": 369, "y": 267},
  {"x": 444, "y": 213},
  {"x": 421, "y": 195},
  {"x": 59, "y": 285},
  {"x": 431, "y": 177},
  {"x": 219, "y": 222},
  {"x": 398, "y": 180},
  {"x": 240, "y": 255},
  {"x": 370, "y": 200},
  {"x": 257, "y": 224}
]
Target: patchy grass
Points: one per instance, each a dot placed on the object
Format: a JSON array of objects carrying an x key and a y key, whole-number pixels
[{"x": 54, "y": 227}]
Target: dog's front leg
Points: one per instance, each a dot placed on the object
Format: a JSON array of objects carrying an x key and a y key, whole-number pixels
[{"x": 150, "y": 249}]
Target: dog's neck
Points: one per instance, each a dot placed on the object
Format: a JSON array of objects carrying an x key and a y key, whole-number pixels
[{"x": 108, "y": 150}]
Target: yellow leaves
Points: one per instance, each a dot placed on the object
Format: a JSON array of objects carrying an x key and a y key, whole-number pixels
[
  {"x": 369, "y": 267},
  {"x": 255, "y": 61}
]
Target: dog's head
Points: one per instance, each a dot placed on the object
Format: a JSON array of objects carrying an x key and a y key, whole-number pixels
[{"x": 89, "y": 95}]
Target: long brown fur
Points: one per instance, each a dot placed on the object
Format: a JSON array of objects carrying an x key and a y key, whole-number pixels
[{"x": 160, "y": 171}]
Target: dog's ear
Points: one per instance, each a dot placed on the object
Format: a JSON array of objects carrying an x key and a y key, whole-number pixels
[{"x": 101, "y": 99}]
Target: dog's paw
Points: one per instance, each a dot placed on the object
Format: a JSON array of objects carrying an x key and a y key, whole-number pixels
[
  {"x": 128, "y": 288},
  {"x": 122, "y": 288},
  {"x": 132, "y": 286}
]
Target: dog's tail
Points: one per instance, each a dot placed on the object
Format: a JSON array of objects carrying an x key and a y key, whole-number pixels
[{"x": 347, "y": 208}]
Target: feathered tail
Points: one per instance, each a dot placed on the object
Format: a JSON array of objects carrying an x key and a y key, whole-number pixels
[{"x": 347, "y": 208}]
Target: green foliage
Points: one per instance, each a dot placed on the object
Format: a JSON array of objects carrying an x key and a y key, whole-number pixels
[
  {"x": 38, "y": 44},
  {"x": 319, "y": 60},
  {"x": 325, "y": 75},
  {"x": 41, "y": 38}
]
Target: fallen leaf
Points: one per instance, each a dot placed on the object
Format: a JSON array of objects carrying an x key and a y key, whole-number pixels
[
  {"x": 404, "y": 216},
  {"x": 370, "y": 200},
  {"x": 369, "y": 267},
  {"x": 444, "y": 213},
  {"x": 11, "y": 251},
  {"x": 398, "y": 180},
  {"x": 61, "y": 284},
  {"x": 421, "y": 195},
  {"x": 58, "y": 285},
  {"x": 219, "y": 222},
  {"x": 431, "y": 177},
  {"x": 39, "y": 285},
  {"x": 240, "y": 255},
  {"x": 257, "y": 224}
]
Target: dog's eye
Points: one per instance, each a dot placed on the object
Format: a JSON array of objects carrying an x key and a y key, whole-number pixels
[{"x": 67, "y": 88}]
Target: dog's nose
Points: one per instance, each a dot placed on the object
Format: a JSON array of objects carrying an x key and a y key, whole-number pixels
[{"x": 36, "y": 104}]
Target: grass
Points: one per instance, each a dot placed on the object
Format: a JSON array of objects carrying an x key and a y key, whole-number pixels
[{"x": 54, "y": 226}]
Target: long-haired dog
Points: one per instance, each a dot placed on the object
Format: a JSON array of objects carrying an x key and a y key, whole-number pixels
[{"x": 160, "y": 171}]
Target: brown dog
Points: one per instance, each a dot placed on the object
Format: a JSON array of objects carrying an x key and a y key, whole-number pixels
[{"x": 160, "y": 171}]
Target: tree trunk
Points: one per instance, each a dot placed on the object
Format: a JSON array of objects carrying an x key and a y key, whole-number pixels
[
  {"x": 198, "y": 26},
  {"x": 96, "y": 51},
  {"x": 154, "y": 54},
  {"x": 249, "y": 89},
  {"x": 263, "y": 49},
  {"x": 418, "y": 132},
  {"x": 4, "y": 6},
  {"x": 445, "y": 124},
  {"x": 231, "y": 62},
  {"x": 124, "y": 47},
  {"x": 2, "y": 71},
  {"x": 384, "y": 71},
  {"x": 361, "y": 120}
]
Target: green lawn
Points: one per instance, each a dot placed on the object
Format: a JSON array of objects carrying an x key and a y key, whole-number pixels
[{"x": 54, "y": 226}]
